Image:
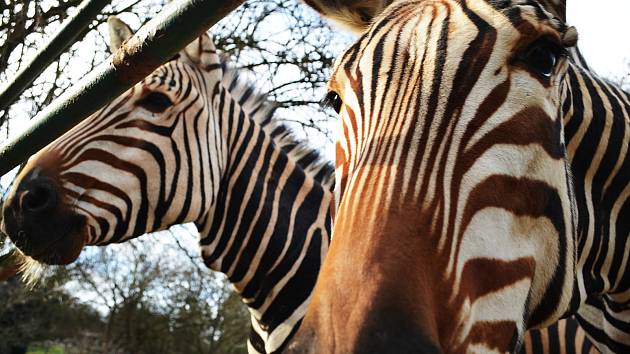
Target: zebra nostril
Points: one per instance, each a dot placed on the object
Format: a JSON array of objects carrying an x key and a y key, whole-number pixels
[{"x": 37, "y": 199}]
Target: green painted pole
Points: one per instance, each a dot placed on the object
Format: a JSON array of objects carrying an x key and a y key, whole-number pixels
[
  {"x": 59, "y": 43},
  {"x": 155, "y": 43}
]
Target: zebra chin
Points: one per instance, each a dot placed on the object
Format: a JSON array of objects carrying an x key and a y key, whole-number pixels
[{"x": 39, "y": 221}]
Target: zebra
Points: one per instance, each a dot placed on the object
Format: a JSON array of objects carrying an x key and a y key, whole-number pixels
[
  {"x": 235, "y": 91},
  {"x": 564, "y": 336},
  {"x": 193, "y": 142},
  {"x": 482, "y": 185}
]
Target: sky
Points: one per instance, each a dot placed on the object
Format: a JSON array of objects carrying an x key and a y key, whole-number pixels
[{"x": 604, "y": 34}]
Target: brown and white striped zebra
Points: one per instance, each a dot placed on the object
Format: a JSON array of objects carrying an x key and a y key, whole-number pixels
[
  {"x": 482, "y": 185},
  {"x": 563, "y": 337}
]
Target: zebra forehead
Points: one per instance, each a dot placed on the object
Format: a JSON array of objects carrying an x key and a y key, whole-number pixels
[
  {"x": 530, "y": 19},
  {"x": 514, "y": 10}
]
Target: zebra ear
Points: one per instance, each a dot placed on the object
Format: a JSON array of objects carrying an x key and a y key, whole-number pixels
[
  {"x": 355, "y": 16},
  {"x": 202, "y": 53},
  {"x": 118, "y": 32},
  {"x": 570, "y": 37}
]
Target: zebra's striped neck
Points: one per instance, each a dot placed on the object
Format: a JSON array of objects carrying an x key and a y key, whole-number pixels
[
  {"x": 597, "y": 134},
  {"x": 270, "y": 222}
]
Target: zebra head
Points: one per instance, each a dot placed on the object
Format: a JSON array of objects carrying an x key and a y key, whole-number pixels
[
  {"x": 454, "y": 225},
  {"x": 130, "y": 168}
]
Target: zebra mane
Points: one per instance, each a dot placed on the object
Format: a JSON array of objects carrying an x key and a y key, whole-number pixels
[{"x": 262, "y": 111}]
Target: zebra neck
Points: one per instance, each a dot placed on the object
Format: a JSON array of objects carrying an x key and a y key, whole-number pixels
[
  {"x": 270, "y": 223},
  {"x": 597, "y": 134}
]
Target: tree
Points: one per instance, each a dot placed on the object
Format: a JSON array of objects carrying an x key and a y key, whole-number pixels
[
  {"x": 26, "y": 25},
  {"x": 157, "y": 303},
  {"x": 294, "y": 58},
  {"x": 624, "y": 80},
  {"x": 44, "y": 313}
]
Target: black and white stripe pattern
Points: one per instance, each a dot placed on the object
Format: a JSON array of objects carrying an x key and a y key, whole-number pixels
[
  {"x": 563, "y": 337},
  {"x": 194, "y": 142},
  {"x": 597, "y": 131}
]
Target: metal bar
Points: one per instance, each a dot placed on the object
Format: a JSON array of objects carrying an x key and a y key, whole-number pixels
[
  {"x": 156, "y": 42},
  {"x": 59, "y": 43}
]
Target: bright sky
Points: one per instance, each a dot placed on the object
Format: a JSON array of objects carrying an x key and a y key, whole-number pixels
[{"x": 604, "y": 34}]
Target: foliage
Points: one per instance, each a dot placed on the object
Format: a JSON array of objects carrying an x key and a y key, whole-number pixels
[
  {"x": 160, "y": 299},
  {"x": 55, "y": 349},
  {"x": 624, "y": 81},
  {"x": 26, "y": 25},
  {"x": 290, "y": 48},
  {"x": 46, "y": 312},
  {"x": 283, "y": 41}
]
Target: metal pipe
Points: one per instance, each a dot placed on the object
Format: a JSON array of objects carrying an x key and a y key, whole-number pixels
[
  {"x": 156, "y": 42},
  {"x": 64, "y": 38}
]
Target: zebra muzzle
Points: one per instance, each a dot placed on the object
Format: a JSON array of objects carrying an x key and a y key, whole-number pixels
[{"x": 39, "y": 224}]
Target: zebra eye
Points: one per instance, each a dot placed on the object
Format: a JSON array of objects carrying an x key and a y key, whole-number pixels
[
  {"x": 155, "y": 102},
  {"x": 333, "y": 100},
  {"x": 542, "y": 57}
]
